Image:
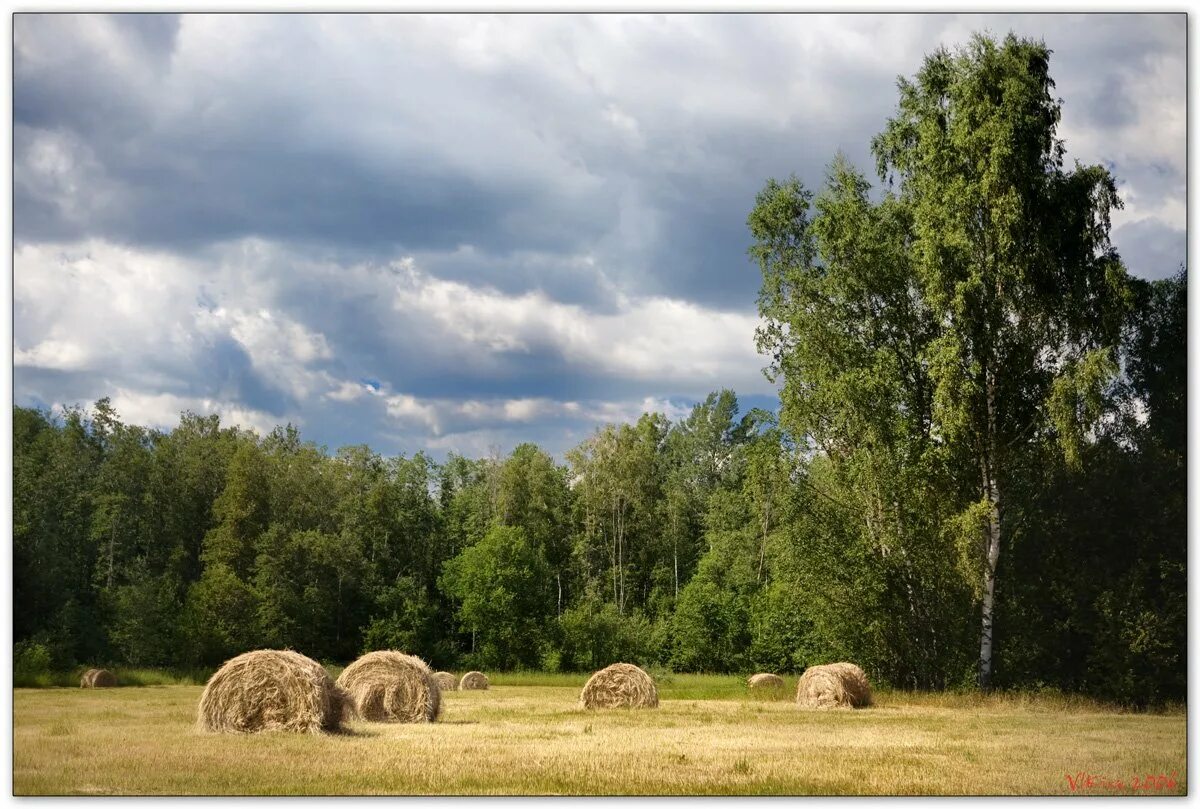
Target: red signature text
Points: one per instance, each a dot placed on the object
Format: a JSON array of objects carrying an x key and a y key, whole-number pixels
[{"x": 1138, "y": 783}]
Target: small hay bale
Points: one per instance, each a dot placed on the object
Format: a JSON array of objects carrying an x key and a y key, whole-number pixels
[
  {"x": 835, "y": 685},
  {"x": 389, "y": 686},
  {"x": 765, "y": 681},
  {"x": 446, "y": 681},
  {"x": 98, "y": 678},
  {"x": 473, "y": 681},
  {"x": 271, "y": 689},
  {"x": 621, "y": 685}
]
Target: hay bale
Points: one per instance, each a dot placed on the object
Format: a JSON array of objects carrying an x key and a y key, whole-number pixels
[
  {"x": 765, "y": 681},
  {"x": 271, "y": 690},
  {"x": 388, "y": 686},
  {"x": 473, "y": 681},
  {"x": 621, "y": 685},
  {"x": 446, "y": 681},
  {"x": 98, "y": 678},
  {"x": 835, "y": 685}
]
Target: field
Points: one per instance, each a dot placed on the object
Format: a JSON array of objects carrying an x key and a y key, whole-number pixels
[{"x": 526, "y": 736}]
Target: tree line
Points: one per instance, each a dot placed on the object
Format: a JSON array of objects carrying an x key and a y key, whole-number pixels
[{"x": 976, "y": 477}]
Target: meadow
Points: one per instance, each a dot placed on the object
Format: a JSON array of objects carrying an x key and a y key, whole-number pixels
[{"x": 526, "y": 735}]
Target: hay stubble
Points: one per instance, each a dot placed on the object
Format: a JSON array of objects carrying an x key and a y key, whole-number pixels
[{"x": 534, "y": 740}]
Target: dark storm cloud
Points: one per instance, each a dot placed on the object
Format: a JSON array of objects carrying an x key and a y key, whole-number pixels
[
  {"x": 181, "y": 156},
  {"x": 227, "y": 372},
  {"x": 192, "y": 161}
]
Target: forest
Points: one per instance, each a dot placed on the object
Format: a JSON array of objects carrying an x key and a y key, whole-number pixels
[{"x": 976, "y": 477}]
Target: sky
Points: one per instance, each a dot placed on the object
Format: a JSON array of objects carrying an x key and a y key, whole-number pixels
[{"x": 461, "y": 232}]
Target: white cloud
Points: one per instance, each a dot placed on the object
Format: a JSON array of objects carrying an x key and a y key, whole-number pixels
[
  {"x": 162, "y": 410},
  {"x": 56, "y": 355},
  {"x": 446, "y": 417},
  {"x": 279, "y": 348},
  {"x": 143, "y": 319},
  {"x": 670, "y": 341},
  {"x": 455, "y": 415}
]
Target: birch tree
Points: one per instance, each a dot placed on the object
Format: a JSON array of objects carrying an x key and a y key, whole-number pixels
[{"x": 934, "y": 337}]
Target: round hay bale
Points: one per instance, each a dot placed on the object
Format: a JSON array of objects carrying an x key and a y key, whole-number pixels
[
  {"x": 835, "y": 685},
  {"x": 621, "y": 685},
  {"x": 446, "y": 681},
  {"x": 98, "y": 678},
  {"x": 271, "y": 690},
  {"x": 765, "y": 681},
  {"x": 473, "y": 681},
  {"x": 390, "y": 686}
]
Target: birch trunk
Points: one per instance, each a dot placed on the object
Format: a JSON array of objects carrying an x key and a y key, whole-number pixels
[{"x": 992, "y": 492}]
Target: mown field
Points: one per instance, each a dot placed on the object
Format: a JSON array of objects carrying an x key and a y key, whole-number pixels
[{"x": 527, "y": 736}]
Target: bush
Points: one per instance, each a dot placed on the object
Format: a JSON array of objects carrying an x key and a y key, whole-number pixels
[
  {"x": 31, "y": 657},
  {"x": 595, "y": 635}
]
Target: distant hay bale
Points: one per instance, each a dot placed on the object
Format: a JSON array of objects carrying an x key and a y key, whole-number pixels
[
  {"x": 473, "y": 681},
  {"x": 98, "y": 678},
  {"x": 621, "y": 685},
  {"x": 836, "y": 685},
  {"x": 389, "y": 686},
  {"x": 766, "y": 681},
  {"x": 446, "y": 681},
  {"x": 271, "y": 690}
]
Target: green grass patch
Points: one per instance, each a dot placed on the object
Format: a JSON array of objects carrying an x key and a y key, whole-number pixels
[{"x": 137, "y": 677}]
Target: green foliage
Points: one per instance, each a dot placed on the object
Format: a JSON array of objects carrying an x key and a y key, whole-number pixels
[
  {"x": 932, "y": 340},
  {"x": 405, "y": 618},
  {"x": 144, "y": 625},
  {"x": 219, "y": 617},
  {"x": 502, "y": 585},
  {"x": 30, "y": 657},
  {"x": 593, "y": 634}
]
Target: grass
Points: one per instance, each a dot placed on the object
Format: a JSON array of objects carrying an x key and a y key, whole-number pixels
[
  {"x": 125, "y": 677},
  {"x": 526, "y": 736}
]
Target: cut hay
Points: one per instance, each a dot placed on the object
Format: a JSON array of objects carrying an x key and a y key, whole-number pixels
[
  {"x": 446, "y": 681},
  {"x": 473, "y": 681},
  {"x": 390, "y": 686},
  {"x": 271, "y": 690},
  {"x": 98, "y": 678},
  {"x": 621, "y": 685},
  {"x": 836, "y": 685},
  {"x": 765, "y": 681}
]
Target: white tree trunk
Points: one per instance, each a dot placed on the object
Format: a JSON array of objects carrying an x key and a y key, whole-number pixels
[{"x": 992, "y": 492}]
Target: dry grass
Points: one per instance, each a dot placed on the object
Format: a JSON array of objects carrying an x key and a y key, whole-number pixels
[
  {"x": 474, "y": 681},
  {"x": 446, "y": 681},
  {"x": 535, "y": 740},
  {"x": 270, "y": 690},
  {"x": 621, "y": 685},
  {"x": 835, "y": 685},
  {"x": 387, "y": 686}
]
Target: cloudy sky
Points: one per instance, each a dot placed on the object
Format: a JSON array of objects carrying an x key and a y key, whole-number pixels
[{"x": 458, "y": 232}]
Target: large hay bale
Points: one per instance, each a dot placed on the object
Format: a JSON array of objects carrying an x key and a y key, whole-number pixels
[
  {"x": 621, "y": 685},
  {"x": 473, "y": 681},
  {"x": 98, "y": 678},
  {"x": 446, "y": 681},
  {"x": 271, "y": 690},
  {"x": 389, "y": 686},
  {"x": 765, "y": 681},
  {"x": 835, "y": 685}
]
